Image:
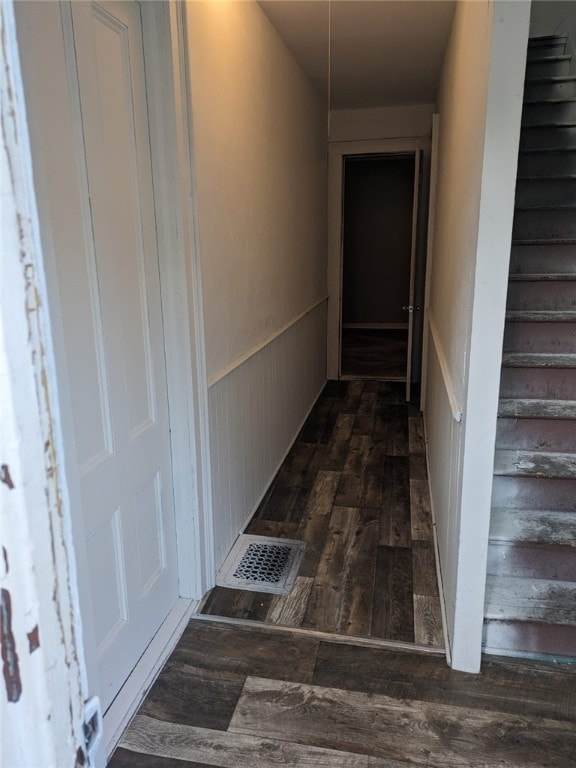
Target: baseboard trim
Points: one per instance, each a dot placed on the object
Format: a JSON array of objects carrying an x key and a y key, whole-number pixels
[
  {"x": 448, "y": 648},
  {"x": 130, "y": 696},
  {"x": 376, "y": 326},
  {"x": 358, "y": 377}
]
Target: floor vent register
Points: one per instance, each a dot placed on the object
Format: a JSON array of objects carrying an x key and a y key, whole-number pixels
[{"x": 262, "y": 564}]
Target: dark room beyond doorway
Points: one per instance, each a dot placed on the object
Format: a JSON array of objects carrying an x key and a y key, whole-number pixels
[{"x": 377, "y": 265}]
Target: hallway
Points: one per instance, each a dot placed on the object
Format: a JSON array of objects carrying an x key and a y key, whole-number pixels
[{"x": 354, "y": 488}]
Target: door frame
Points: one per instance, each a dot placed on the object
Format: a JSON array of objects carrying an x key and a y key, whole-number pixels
[
  {"x": 163, "y": 31},
  {"x": 338, "y": 150},
  {"x": 181, "y": 290},
  {"x": 430, "y": 253}
]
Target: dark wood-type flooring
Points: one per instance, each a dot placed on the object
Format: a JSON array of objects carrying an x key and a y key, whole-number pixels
[
  {"x": 380, "y": 353},
  {"x": 354, "y": 487},
  {"x": 260, "y": 696}
]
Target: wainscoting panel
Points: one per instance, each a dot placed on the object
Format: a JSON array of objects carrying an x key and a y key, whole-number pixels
[
  {"x": 256, "y": 411},
  {"x": 443, "y": 434}
]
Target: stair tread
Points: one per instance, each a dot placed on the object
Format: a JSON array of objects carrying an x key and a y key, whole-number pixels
[
  {"x": 538, "y": 360},
  {"x": 537, "y": 277},
  {"x": 544, "y": 150},
  {"x": 569, "y": 177},
  {"x": 554, "y": 57},
  {"x": 545, "y": 241},
  {"x": 533, "y": 526},
  {"x": 541, "y": 315},
  {"x": 551, "y": 124},
  {"x": 544, "y": 177},
  {"x": 544, "y": 207},
  {"x": 534, "y": 463},
  {"x": 546, "y": 600},
  {"x": 551, "y": 59},
  {"x": 535, "y": 408},
  {"x": 562, "y": 100},
  {"x": 550, "y": 79},
  {"x": 545, "y": 39}
]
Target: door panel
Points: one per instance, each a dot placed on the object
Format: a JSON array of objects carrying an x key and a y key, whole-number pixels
[
  {"x": 115, "y": 350},
  {"x": 411, "y": 299}
]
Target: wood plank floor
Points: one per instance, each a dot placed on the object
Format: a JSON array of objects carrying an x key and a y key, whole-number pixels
[
  {"x": 354, "y": 488},
  {"x": 262, "y": 696},
  {"x": 380, "y": 353}
]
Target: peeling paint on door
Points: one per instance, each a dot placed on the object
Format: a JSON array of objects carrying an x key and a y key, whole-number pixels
[
  {"x": 10, "y": 666},
  {"x": 43, "y": 683},
  {"x": 33, "y": 639},
  {"x": 5, "y": 476}
]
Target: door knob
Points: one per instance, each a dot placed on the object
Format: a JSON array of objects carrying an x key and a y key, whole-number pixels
[{"x": 411, "y": 308}]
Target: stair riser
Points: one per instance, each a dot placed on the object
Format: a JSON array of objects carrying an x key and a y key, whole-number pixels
[
  {"x": 565, "y": 89},
  {"x": 545, "y": 192},
  {"x": 544, "y": 224},
  {"x": 536, "y": 435},
  {"x": 543, "y": 258},
  {"x": 513, "y": 463},
  {"x": 529, "y": 637},
  {"x": 545, "y": 383},
  {"x": 547, "y": 164},
  {"x": 526, "y": 561},
  {"x": 533, "y": 527},
  {"x": 538, "y": 69},
  {"x": 534, "y": 493},
  {"x": 548, "y": 138},
  {"x": 542, "y": 295},
  {"x": 545, "y": 49},
  {"x": 542, "y": 114},
  {"x": 540, "y": 337}
]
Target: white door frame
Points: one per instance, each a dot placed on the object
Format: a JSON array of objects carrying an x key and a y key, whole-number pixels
[
  {"x": 413, "y": 256},
  {"x": 180, "y": 281},
  {"x": 337, "y": 151},
  {"x": 42, "y": 707},
  {"x": 429, "y": 253}
]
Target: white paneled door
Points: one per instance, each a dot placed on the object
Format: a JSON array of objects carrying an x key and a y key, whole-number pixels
[{"x": 112, "y": 314}]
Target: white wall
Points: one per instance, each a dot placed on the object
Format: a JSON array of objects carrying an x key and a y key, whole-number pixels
[
  {"x": 260, "y": 158},
  {"x": 259, "y": 134},
  {"x": 480, "y": 107},
  {"x": 555, "y": 17},
  {"x": 381, "y": 122},
  {"x": 255, "y": 413}
]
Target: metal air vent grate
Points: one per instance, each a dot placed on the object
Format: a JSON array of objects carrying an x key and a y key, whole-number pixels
[{"x": 262, "y": 564}]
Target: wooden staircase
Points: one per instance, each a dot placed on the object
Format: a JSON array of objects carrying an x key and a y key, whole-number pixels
[{"x": 531, "y": 584}]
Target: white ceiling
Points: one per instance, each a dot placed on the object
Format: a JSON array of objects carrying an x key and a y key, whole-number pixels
[{"x": 382, "y": 52}]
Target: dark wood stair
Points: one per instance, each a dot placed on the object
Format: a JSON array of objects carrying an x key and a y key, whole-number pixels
[{"x": 530, "y": 603}]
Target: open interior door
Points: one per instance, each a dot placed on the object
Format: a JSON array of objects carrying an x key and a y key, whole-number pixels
[{"x": 410, "y": 307}]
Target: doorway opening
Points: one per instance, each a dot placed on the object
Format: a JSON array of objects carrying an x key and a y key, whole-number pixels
[
  {"x": 377, "y": 231},
  {"x": 380, "y": 199}
]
